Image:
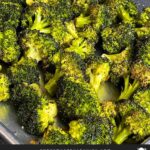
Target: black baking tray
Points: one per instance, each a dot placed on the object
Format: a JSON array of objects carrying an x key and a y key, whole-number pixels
[{"x": 12, "y": 133}]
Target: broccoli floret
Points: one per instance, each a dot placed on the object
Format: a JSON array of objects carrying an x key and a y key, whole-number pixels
[
  {"x": 142, "y": 98},
  {"x": 56, "y": 135},
  {"x": 82, "y": 6},
  {"x": 136, "y": 123},
  {"x": 70, "y": 65},
  {"x": 9, "y": 48},
  {"x": 117, "y": 38},
  {"x": 82, "y": 47},
  {"x": 76, "y": 99},
  {"x": 38, "y": 46},
  {"x": 102, "y": 16},
  {"x": 4, "y": 87},
  {"x": 36, "y": 17},
  {"x": 7, "y": 8},
  {"x": 97, "y": 71},
  {"x": 125, "y": 107},
  {"x": 63, "y": 33},
  {"x": 35, "y": 111},
  {"x": 140, "y": 69},
  {"x": 143, "y": 28},
  {"x": 126, "y": 10},
  {"x": 91, "y": 131},
  {"x": 89, "y": 34},
  {"x": 25, "y": 70},
  {"x": 120, "y": 62}
]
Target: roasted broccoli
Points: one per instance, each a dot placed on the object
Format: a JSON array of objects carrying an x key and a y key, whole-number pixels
[
  {"x": 35, "y": 110},
  {"x": 56, "y": 135},
  {"x": 136, "y": 123},
  {"x": 115, "y": 39},
  {"x": 4, "y": 87},
  {"x": 9, "y": 48},
  {"x": 91, "y": 131}
]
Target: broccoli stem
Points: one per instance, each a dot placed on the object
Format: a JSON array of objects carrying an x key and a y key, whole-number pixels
[
  {"x": 143, "y": 31},
  {"x": 124, "y": 15},
  {"x": 122, "y": 136},
  {"x": 128, "y": 88},
  {"x": 51, "y": 85},
  {"x": 81, "y": 21},
  {"x": 40, "y": 24}
]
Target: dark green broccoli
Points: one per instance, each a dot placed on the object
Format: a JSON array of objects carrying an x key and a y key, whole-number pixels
[
  {"x": 82, "y": 47},
  {"x": 125, "y": 107},
  {"x": 76, "y": 99},
  {"x": 82, "y": 6},
  {"x": 56, "y": 135},
  {"x": 38, "y": 46},
  {"x": 25, "y": 70},
  {"x": 35, "y": 110},
  {"x": 9, "y": 48},
  {"x": 135, "y": 123},
  {"x": 117, "y": 38},
  {"x": 8, "y": 7},
  {"x": 102, "y": 16},
  {"x": 91, "y": 131}
]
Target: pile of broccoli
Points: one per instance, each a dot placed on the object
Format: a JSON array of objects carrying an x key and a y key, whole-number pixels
[{"x": 56, "y": 56}]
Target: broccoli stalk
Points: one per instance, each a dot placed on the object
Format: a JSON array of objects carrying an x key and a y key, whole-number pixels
[
  {"x": 82, "y": 21},
  {"x": 51, "y": 85},
  {"x": 40, "y": 24},
  {"x": 129, "y": 89}
]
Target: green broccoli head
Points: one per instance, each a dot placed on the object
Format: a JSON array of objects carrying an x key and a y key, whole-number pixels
[
  {"x": 76, "y": 99},
  {"x": 126, "y": 10},
  {"x": 140, "y": 69},
  {"x": 142, "y": 98},
  {"x": 97, "y": 72},
  {"x": 124, "y": 107},
  {"x": 63, "y": 33},
  {"x": 117, "y": 38},
  {"x": 89, "y": 33},
  {"x": 10, "y": 50},
  {"x": 35, "y": 111},
  {"x": 102, "y": 16},
  {"x": 4, "y": 87},
  {"x": 135, "y": 123},
  {"x": 120, "y": 63},
  {"x": 71, "y": 65},
  {"x": 25, "y": 70},
  {"x": 7, "y": 8},
  {"x": 91, "y": 131},
  {"x": 56, "y": 135},
  {"x": 82, "y": 47},
  {"x": 38, "y": 46}
]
